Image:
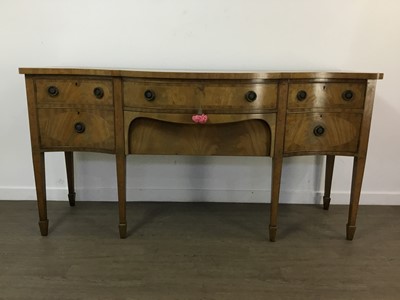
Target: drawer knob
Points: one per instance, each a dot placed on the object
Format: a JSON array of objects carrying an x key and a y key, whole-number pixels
[
  {"x": 53, "y": 91},
  {"x": 347, "y": 95},
  {"x": 98, "y": 92},
  {"x": 149, "y": 95},
  {"x": 301, "y": 95},
  {"x": 251, "y": 96},
  {"x": 79, "y": 127},
  {"x": 319, "y": 130}
]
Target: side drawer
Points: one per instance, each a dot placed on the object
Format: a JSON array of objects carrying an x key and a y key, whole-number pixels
[
  {"x": 325, "y": 132},
  {"x": 74, "y": 91},
  {"x": 326, "y": 95},
  {"x": 246, "y": 97},
  {"x": 74, "y": 128}
]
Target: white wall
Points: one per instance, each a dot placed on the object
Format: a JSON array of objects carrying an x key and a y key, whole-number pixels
[{"x": 197, "y": 35}]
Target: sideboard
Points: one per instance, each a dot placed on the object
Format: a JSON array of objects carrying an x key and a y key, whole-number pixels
[{"x": 276, "y": 114}]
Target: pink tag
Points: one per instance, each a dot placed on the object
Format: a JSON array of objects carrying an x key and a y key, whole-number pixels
[{"x": 201, "y": 119}]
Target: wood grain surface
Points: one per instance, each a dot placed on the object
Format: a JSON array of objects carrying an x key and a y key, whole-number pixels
[
  {"x": 200, "y": 95},
  {"x": 78, "y": 91},
  {"x": 57, "y": 129},
  {"x": 326, "y": 95},
  {"x": 201, "y": 74},
  {"x": 341, "y": 132},
  {"x": 246, "y": 138}
]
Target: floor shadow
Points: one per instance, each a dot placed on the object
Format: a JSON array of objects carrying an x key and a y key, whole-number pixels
[
  {"x": 58, "y": 220},
  {"x": 148, "y": 217}
]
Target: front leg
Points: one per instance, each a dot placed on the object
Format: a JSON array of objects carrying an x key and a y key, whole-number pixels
[
  {"x": 358, "y": 173},
  {"x": 121, "y": 182},
  {"x": 275, "y": 189},
  {"x": 40, "y": 181}
]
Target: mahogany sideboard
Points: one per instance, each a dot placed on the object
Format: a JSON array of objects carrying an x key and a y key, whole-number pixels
[{"x": 276, "y": 114}]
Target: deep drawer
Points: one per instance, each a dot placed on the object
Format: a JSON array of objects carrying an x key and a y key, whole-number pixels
[
  {"x": 326, "y": 95},
  {"x": 326, "y": 132},
  {"x": 74, "y": 91},
  {"x": 80, "y": 129},
  {"x": 243, "y": 138},
  {"x": 175, "y": 95}
]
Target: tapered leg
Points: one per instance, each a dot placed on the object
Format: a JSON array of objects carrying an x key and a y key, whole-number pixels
[
  {"x": 69, "y": 163},
  {"x": 121, "y": 181},
  {"x": 275, "y": 189},
  {"x": 40, "y": 181},
  {"x": 330, "y": 162},
  {"x": 358, "y": 173}
]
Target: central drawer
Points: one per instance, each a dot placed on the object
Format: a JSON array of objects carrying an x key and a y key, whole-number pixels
[{"x": 192, "y": 95}]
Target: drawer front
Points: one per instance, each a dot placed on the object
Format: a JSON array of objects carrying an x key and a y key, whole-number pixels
[
  {"x": 315, "y": 132},
  {"x": 81, "y": 129},
  {"x": 74, "y": 91},
  {"x": 326, "y": 95},
  {"x": 244, "y": 138},
  {"x": 189, "y": 95}
]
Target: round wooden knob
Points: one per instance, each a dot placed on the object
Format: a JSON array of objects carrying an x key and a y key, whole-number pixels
[
  {"x": 52, "y": 91},
  {"x": 98, "y": 92},
  {"x": 319, "y": 130},
  {"x": 347, "y": 95},
  {"x": 301, "y": 95},
  {"x": 149, "y": 95},
  {"x": 251, "y": 96},
  {"x": 79, "y": 127}
]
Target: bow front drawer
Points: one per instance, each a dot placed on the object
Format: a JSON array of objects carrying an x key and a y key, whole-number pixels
[
  {"x": 327, "y": 95},
  {"x": 189, "y": 95},
  {"x": 322, "y": 133},
  {"x": 77, "y": 91}
]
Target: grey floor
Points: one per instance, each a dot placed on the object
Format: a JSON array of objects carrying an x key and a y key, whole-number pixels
[{"x": 198, "y": 251}]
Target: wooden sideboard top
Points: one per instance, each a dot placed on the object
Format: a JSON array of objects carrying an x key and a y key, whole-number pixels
[{"x": 239, "y": 75}]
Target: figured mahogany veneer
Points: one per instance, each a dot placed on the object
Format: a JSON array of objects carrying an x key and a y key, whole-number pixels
[
  {"x": 327, "y": 95},
  {"x": 339, "y": 132},
  {"x": 149, "y": 136},
  {"x": 208, "y": 95},
  {"x": 273, "y": 114},
  {"x": 76, "y": 128},
  {"x": 74, "y": 91}
]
